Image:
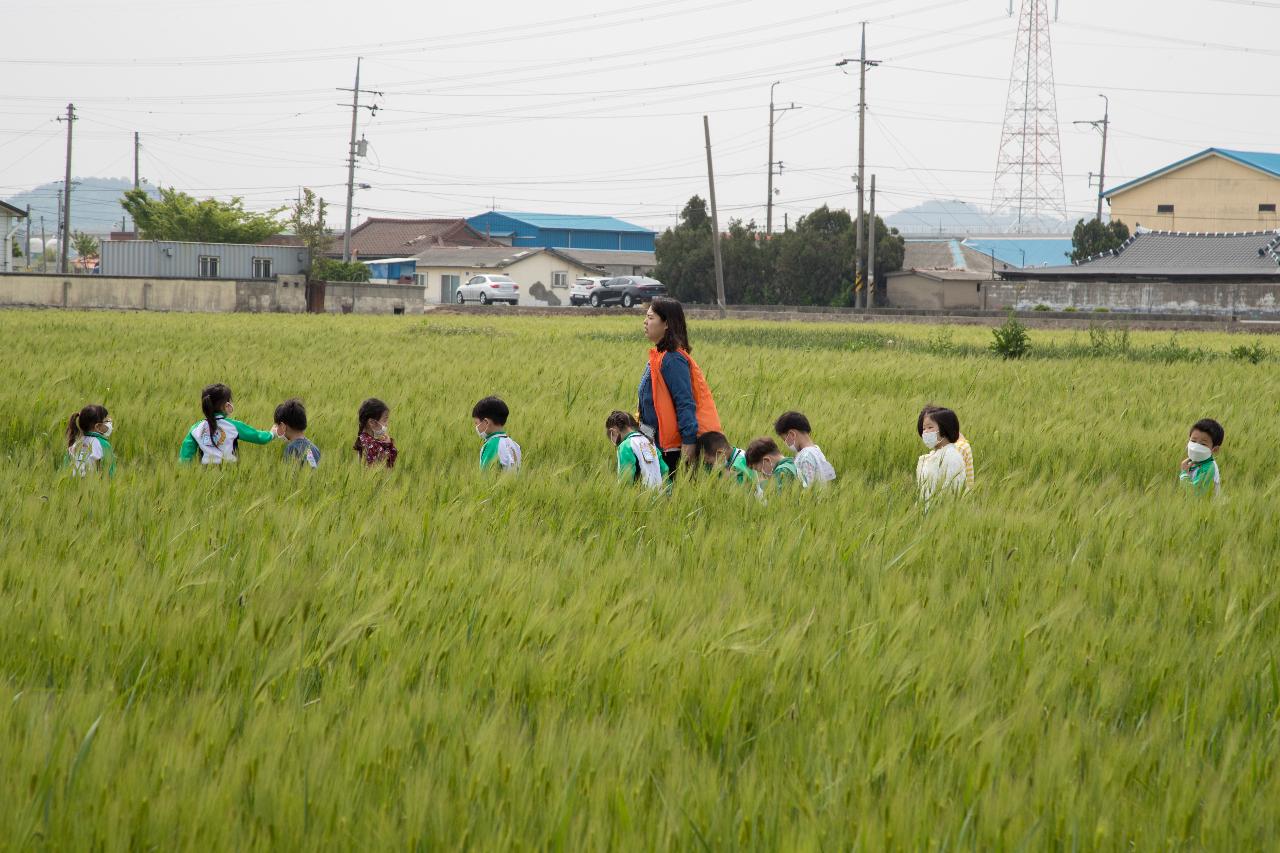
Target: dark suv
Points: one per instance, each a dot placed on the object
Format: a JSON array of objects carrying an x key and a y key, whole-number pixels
[{"x": 626, "y": 291}]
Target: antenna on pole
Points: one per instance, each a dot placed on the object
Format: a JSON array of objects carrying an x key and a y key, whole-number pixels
[{"x": 1028, "y": 185}]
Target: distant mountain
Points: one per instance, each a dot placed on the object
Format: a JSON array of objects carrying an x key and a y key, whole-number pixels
[
  {"x": 952, "y": 216},
  {"x": 95, "y": 204}
]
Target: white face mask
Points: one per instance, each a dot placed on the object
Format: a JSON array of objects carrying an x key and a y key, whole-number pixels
[
  {"x": 107, "y": 426},
  {"x": 480, "y": 432},
  {"x": 930, "y": 438},
  {"x": 1197, "y": 452}
]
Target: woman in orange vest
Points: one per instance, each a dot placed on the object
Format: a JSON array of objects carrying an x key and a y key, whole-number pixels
[{"x": 676, "y": 405}]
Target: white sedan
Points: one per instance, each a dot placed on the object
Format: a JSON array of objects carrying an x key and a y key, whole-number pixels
[
  {"x": 580, "y": 294},
  {"x": 489, "y": 288}
]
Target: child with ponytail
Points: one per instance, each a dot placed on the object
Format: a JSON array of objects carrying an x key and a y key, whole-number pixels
[
  {"x": 88, "y": 451},
  {"x": 374, "y": 444},
  {"x": 217, "y": 437}
]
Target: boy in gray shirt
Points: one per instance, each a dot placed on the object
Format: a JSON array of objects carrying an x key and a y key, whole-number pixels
[{"x": 291, "y": 424}]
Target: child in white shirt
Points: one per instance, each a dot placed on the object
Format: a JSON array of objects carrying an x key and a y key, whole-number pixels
[
  {"x": 811, "y": 464},
  {"x": 941, "y": 470}
]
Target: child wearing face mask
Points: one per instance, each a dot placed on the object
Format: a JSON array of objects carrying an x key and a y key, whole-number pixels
[
  {"x": 88, "y": 451},
  {"x": 638, "y": 460},
  {"x": 962, "y": 444},
  {"x": 1199, "y": 471},
  {"x": 217, "y": 438},
  {"x": 767, "y": 461},
  {"x": 490, "y": 419},
  {"x": 373, "y": 441},
  {"x": 942, "y": 468},
  {"x": 811, "y": 463}
]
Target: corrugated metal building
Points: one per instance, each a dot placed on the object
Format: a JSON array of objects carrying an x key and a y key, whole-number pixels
[
  {"x": 172, "y": 259},
  {"x": 563, "y": 231}
]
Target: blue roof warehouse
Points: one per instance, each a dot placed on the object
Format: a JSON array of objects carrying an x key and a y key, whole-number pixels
[{"x": 563, "y": 231}]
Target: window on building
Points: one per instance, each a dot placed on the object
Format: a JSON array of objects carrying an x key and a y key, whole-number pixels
[
  {"x": 209, "y": 266},
  {"x": 262, "y": 268},
  {"x": 1164, "y": 208},
  {"x": 1266, "y": 208},
  {"x": 420, "y": 279},
  {"x": 560, "y": 279}
]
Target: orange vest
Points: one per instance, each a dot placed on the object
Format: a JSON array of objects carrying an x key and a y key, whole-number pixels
[{"x": 668, "y": 424}]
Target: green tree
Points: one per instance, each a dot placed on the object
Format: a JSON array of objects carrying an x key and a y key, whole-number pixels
[
  {"x": 327, "y": 269},
  {"x": 86, "y": 245},
  {"x": 307, "y": 220},
  {"x": 815, "y": 260},
  {"x": 685, "y": 263},
  {"x": 178, "y": 216},
  {"x": 1093, "y": 238}
]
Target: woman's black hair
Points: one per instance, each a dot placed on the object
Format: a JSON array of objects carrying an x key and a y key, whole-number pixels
[
  {"x": 83, "y": 421},
  {"x": 948, "y": 422},
  {"x": 621, "y": 421},
  {"x": 212, "y": 400},
  {"x": 371, "y": 409},
  {"x": 672, "y": 313}
]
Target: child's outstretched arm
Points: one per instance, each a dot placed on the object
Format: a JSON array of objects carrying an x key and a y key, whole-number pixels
[{"x": 253, "y": 436}]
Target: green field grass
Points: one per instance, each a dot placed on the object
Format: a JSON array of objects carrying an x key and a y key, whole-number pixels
[{"x": 1075, "y": 656}]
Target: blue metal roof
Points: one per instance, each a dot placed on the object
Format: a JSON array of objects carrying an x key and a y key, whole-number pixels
[
  {"x": 574, "y": 222},
  {"x": 1025, "y": 252},
  {"x": 1263, "y": 161}
]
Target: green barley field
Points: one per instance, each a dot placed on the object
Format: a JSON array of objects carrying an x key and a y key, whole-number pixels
[{"x": 1075, "y": 656}]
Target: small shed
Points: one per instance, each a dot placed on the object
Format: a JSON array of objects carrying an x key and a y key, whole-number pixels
[{"x": 176, "y": 259}]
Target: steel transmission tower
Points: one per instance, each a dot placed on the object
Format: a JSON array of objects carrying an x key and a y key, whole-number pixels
[{"x": 1028, "y": 184}]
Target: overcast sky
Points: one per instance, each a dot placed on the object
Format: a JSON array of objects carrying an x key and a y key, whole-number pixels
[{"x": 564, "y": 106}]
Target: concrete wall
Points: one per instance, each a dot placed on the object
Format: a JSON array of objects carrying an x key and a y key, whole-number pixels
[
  {"x": 1213, "y": 194},
  {"x": 1150, "y": 297},
  {"x": 348, "y": 298},
  {"x": 911, "y": 290},
  {"x": 142, "y": 294}
]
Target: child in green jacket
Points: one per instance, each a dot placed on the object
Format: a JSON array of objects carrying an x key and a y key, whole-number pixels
[
  {"x": 216, "y": 438},
  {"x": 88, "y": 450}
]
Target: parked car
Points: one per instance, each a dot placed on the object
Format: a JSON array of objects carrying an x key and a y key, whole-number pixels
[
  {"x": 580, "y": 293},
  {"x": 626, "y": 291},
  {"x": 489, "y": 288}
]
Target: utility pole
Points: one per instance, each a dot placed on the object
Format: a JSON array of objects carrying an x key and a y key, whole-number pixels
[
  {"x": 352, "y": 153},
  {"x": 715, "y": 221},
  {"x": 66, "y": 193},
  {"x": 44, "y": 257},
  {"x": 26, "y": 249},
  {"x": 137, "y": 147},
  {"x": 871, "y": 248},
  {"x": 863, "y": 65},
  {"x": 1101, "y": 125},
  {"x": 768, "y": 216}
]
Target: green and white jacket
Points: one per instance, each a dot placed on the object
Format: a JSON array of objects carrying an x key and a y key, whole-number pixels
[
  {"x": 639, "y": 461},
  {"x": 91, "y": 454},
  {"x": 221, "y": 446},
  {"x": 499, "y": 449}
]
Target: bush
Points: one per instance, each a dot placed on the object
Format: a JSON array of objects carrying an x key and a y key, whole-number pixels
[
  {"x": 1101, "y": 310},
  {"x": 1042, "y": 307},
  {"x": 1255, "y": 354},
  {"x": 327, "y": 269},
  {"x": 1175, "y": 352},
  {"x": 1104, "y": 341},
  {"x": 1011, "y": 339},
  {"x": 1071, "y": 309}
]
